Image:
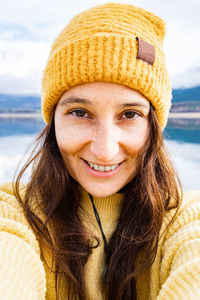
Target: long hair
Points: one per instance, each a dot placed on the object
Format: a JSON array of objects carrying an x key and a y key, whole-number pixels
[{"x": 146, "y": 199}]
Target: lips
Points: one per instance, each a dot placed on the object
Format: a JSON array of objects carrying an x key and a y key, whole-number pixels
[
  {"x": 101, "y": 174},
  {"x": 102, "y": 168}
]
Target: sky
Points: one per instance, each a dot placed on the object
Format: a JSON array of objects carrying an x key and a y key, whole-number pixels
[{"x": 28, "y": 29}]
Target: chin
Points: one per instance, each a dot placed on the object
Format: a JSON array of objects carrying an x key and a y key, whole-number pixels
[{"x": 101, "y": 192}]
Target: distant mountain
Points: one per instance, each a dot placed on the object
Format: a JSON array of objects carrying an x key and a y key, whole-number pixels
[
  {"x": 190, "y": 94},
  {"x": 186, "y": 100},
  {"x": 19, "y": 103},
  {"x": 183, "y": 100}
]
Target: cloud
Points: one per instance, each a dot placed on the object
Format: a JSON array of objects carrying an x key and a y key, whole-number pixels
[
  {"x": 27, "y": 34},
  {"x": 22, "y": 63},
  {"x": 189, "y": 78},
  {"x": 10, "y": 84},
  {"x": 11, "y": 153},
  {"x": 42, "y": 18},
  {"x": 186, "y": 157}
]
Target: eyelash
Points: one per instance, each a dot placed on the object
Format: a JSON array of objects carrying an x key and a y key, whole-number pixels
[{"x": 82, "y": 110}]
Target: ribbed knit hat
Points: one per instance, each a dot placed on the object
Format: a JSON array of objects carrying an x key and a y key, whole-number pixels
[{"x": 113, "y": 42}]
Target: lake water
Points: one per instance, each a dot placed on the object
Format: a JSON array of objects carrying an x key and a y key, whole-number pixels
[{"x": 182, "y": 138}]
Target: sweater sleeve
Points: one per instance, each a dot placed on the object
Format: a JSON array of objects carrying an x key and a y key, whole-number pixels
[
  {"x": 180, "y": 267},
  {"x": 22, "y": 274}
]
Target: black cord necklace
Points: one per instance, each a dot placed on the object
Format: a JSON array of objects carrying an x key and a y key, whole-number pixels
[{"x": 105, "y": 272}]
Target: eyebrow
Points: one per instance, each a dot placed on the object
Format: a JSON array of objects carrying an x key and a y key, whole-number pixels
[{"x": 75, "y": 100}]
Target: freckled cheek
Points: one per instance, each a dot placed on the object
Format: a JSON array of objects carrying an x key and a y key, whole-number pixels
[
  {"x": 70, "y": 141},
  {"x": 135, "y": 147}
]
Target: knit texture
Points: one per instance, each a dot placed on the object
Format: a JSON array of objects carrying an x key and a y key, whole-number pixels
[
  {"x": 100, "y": 45},
  {"x": 174, "y": 274}
]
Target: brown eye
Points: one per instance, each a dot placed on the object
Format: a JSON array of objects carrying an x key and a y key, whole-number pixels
[
  {"x": 79, "y": 113},
  {"x": 131, "y": 114}
]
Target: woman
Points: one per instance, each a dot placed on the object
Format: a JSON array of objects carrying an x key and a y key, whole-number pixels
[{"x": 103, "y": 215}]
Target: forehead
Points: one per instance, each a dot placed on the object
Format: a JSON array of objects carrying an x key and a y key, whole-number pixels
[{"x": 103, "y": 93}]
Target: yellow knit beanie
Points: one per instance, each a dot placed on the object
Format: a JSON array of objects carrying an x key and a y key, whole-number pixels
[{"x": 113, "y": 42}]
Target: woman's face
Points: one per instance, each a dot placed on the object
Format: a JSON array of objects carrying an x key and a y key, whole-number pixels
[{"x": 100, "y": 129}]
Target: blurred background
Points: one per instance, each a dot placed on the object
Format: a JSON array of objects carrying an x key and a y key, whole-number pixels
[{"x": 27, "y": 31}]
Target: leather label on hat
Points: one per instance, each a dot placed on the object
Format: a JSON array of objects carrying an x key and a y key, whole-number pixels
[{"x": 146, "y": 51}]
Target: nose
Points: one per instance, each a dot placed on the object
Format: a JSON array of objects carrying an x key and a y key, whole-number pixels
[{"x": 105, "y": 143}]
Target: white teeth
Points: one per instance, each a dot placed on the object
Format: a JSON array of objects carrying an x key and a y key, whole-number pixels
[
  {"x": 103, "y": 168},
  {"x": 107, "y": 168}
]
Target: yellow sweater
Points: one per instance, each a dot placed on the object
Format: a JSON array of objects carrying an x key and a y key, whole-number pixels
[{"x": 174, "y": 275}]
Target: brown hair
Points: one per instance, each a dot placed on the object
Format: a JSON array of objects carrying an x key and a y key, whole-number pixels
[{"x": 147, "y": 198}]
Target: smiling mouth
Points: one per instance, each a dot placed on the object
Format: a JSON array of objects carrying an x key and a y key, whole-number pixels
[{"x": 102, "y": 168}]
